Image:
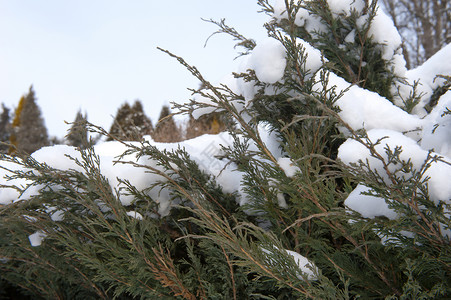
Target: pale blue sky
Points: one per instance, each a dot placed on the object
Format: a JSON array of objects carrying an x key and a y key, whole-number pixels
[{"x": 95, "y": 54}]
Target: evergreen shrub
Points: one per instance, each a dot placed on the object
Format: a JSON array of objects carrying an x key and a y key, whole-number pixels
[{"x": 292, "y": 228}]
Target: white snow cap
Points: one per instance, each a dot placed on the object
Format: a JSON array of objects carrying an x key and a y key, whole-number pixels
[
  {"x": 438, "y": 64},
  {"x": 361, "y": 108},
  {"x": 37, "y": 238},
  {"x": 314, "y": 59},
  {"x": 268, "y": 60},
  {"x": 437, "y": 131},
  {"x": 368, "y": 206},
  {"x": 303, "y": 17},
  {"x": 384, "y": 32},
  {"x": 287, "y": 166},
  {"x": 57, "y": 157},
  {"x": 304, "y": 264},
  {"x": 307, "y": 268},
  {"x": 345, "y": 6},
  {"x": 439, "y": 172},
  {"x": 202, "y": 150},
  {"x": 135, "y": 215}
]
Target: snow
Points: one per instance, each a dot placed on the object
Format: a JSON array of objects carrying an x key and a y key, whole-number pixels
[
  {"x": 37, "y": 238},
  {"x": 437, "y": 130},
  {"x": 135, "y": 215},
  {"x": 350, "y": 38},
  {"x": 438, "y": 64},
  {"x": 9, "y": 195},
  {"x": 384, "y": 32},
  {"x": 368, "y": 206},
  {"x": 382, "y": 29},
  {"x": 108, "y": 153},
  {"x": 286, "y": 164},
  {"x": 281, "y": 200},
  {"x": 60, "y": 157},
  {"x": 270, "y": 139},
  {"x": 438, "y": 174},
  {"x": 314, "y": 59},
  {"x": 268, "y": 60},
  {"x": 363, "y": 109},
  {"x": 55, "y": 214},
  {"x": 303, "y": 17},
  {"x": 202, "y": 150},
  {"x": 351, "y": 152},
  {"x": 345, "y": 6},
  {"x": 307, "y": 268}
]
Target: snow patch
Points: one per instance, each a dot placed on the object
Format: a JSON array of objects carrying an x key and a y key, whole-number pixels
[
  {"x": 135, "y": 215},
  {"x": 384, "y": 32},
  {"x": 345, "y": 6},
  {"x": 368, "y": 206},
  {"x": 307, "y": 268},
  {"x": 286, "y": 164},
  {"x": 363, "y": 109},
  {"x": 268, "y": 60},
  {"x": 37, "y": 238},
  {"x": 438, "y": 64},
  {"x": 437, "y": 131},
  {"x": 351, "y": 152}
]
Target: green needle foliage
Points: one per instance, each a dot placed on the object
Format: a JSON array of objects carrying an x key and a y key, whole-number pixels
[{"x": 211, "y": 247}]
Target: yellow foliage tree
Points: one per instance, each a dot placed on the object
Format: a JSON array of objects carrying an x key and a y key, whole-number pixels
[
  {"x": 207, "y": 124},
  {"x": 28, "y": 128},
  {"x": 15, "y": 125}
]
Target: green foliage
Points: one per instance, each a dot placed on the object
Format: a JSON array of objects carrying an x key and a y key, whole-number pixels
[
  {"x": 78, "y": 133},
  {"x": 357, "y": 60},
  {"x": 28, "y": 129},
  {"x": 218, "y": 245},
  {"x": 5, "y": 129}
]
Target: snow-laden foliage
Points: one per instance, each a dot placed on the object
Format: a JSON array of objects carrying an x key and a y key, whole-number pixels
[{"x": 331, "y": 183}]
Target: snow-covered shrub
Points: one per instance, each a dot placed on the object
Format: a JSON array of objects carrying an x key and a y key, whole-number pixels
[{"x": 332, "y": 182}]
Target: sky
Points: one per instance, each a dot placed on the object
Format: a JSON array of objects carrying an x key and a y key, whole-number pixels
[{"x": 94, "y": 55}]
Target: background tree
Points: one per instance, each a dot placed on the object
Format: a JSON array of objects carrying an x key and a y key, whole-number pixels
[
  {"x": 15, "y": 125},
  {"x": 78, "y": 134},
  {"x": 166, "y": 131},
  {"x": 424, "y": 25},
  {"x": 140, "y": 120},
  {"x": 131, "y": 123},
  {"x": 29, "y": 132},
  {"x": 205, "y": 124},
  {"x": 5, "y": 128},
  {"x": 264, "y": 214}
]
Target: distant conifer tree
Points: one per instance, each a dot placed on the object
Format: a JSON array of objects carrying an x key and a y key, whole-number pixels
[
  {"x": 54, "y": 140},
  {"x": 29, "y": 132},
  {"x": 166, "y": 131},
  {"x": 321, "y": 190},
  {"x": 131, "y": 123},
  {"x": 5, "y": 128},
  {"x": 117, "y": 128},
  {"x": 78, "y": 134},
  {"x": 140, "y": 120}
]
